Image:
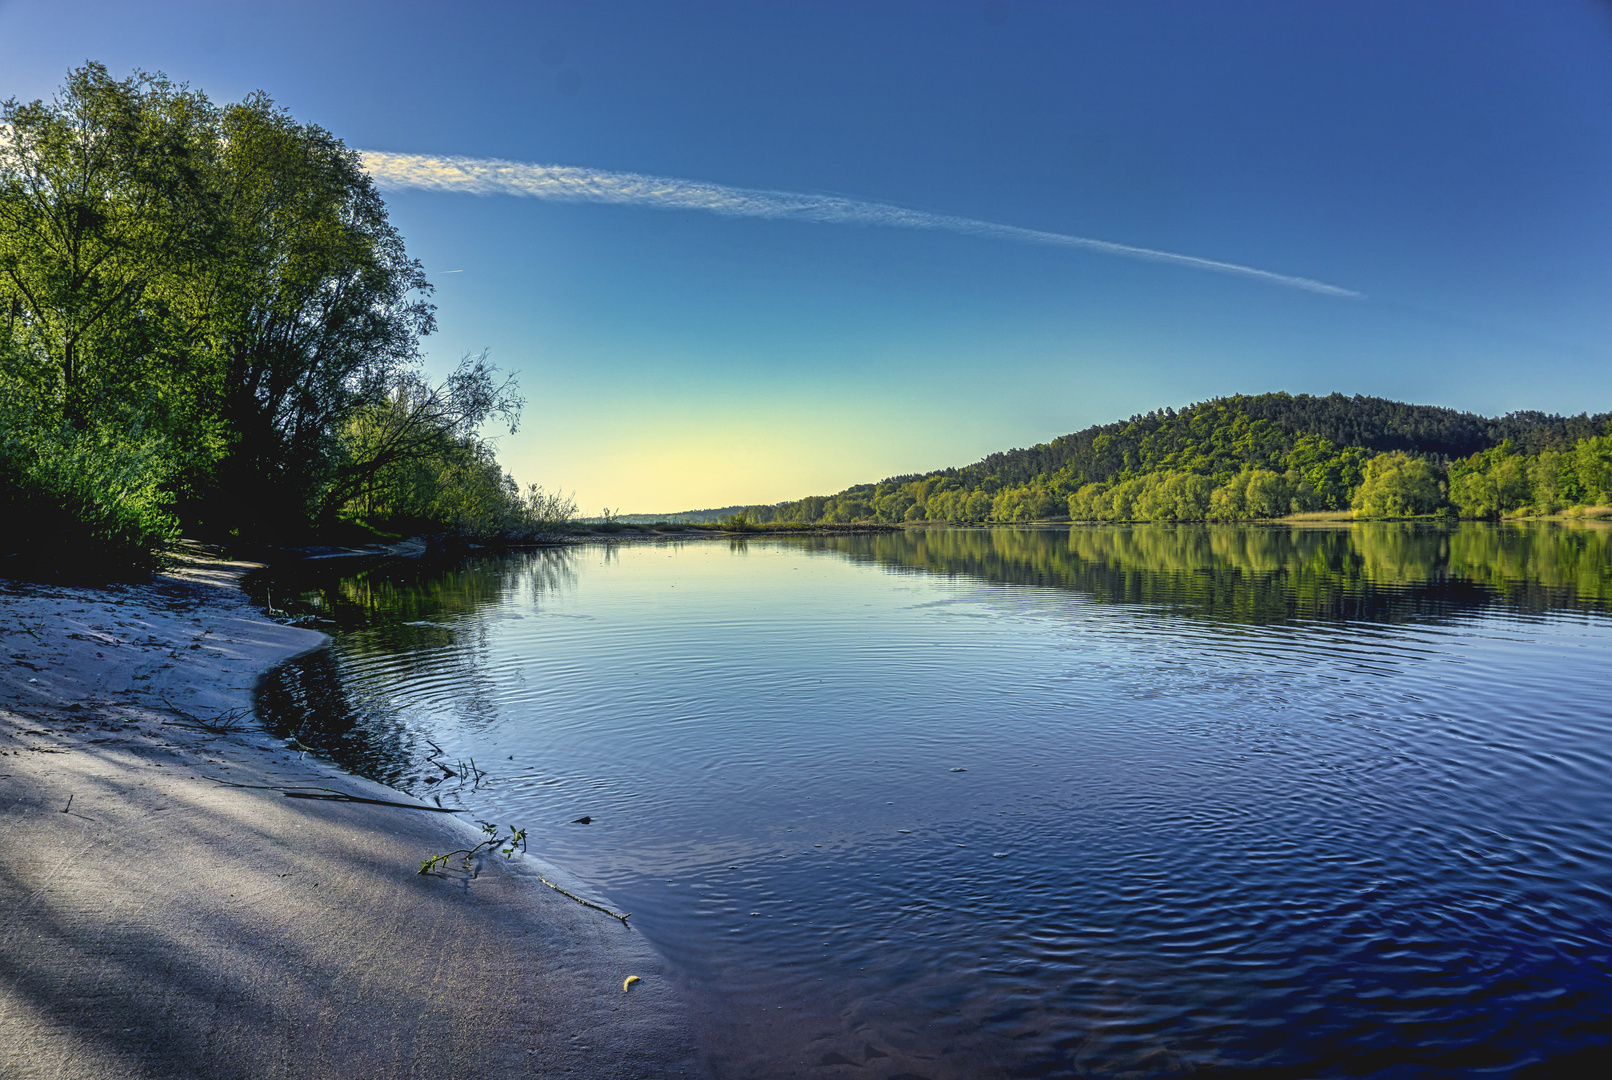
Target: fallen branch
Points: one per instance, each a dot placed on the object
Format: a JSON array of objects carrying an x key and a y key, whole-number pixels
[
  {"x": 585, "y": 903},
  {"x": 221, "y": 723}
]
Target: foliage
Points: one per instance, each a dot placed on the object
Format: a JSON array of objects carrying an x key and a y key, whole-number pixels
[
  {"x": 1398, "y": 485},
  {"x": 1490, "y": 483},
  {"x": 1242, "y": 458},
  {"x": 316, "y": 312},
  {"x": 544, "y": 513},
  {"x": 92, "y": 497},
  {"x": 105, "y": 213},
  {"x": 416, "y": 458},
  {"x": 207, "y": 320},
  {"x": 491, "y": 841},
  {"x": 1502, "y": 480}
]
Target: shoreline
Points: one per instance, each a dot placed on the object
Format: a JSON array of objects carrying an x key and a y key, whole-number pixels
[{"x": 165, "y": 909}]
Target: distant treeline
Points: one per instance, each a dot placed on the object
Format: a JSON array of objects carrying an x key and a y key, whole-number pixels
[
  {"x": 207, "y": 322},
  {"x": 1242, "y": 458}
]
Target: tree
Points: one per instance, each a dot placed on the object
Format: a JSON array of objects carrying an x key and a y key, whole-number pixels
[
  {"x": 1398, "y": 485},
  {"x": 105, "y": 210},
  {"x": 1592, "y": 461},
  {"x": 318, "y": 313},
  {"x": 208, "y": 309},
  {"x": 418, "y": 456}
]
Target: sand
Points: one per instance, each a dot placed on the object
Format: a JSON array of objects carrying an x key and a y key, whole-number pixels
[{"x": 156, "y": 920}]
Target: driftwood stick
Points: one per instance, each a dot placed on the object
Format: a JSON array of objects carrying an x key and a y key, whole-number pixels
[{"x": 585, "y": 903}]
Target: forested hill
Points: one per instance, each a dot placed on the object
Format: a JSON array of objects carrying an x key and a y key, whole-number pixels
[
  {"x": 1301, "y": 452},
  {"x": 1371, "y": 423}
]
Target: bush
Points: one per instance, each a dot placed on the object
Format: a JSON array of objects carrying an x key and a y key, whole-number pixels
[
  {"x": 1398, "y": 485},
  {"x": 83, "y": 504}
]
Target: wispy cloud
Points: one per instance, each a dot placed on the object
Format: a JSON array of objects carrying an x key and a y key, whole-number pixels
[{"x": 491, "y": 176}]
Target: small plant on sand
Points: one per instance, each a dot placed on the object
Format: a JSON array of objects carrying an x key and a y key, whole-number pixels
[{"x": 492, "y": 841}]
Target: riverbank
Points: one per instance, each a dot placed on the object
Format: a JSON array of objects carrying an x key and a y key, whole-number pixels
[{"x": 166, "y": 909}]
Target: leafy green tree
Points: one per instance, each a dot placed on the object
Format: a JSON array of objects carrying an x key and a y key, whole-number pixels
[
  {"x": 318, "y": 312},
  {"x": 1473, "y": 491},
  {"x": 1592, "y": 462},
  {"x": 1490, "y": 483},
  {"x": 1551, "y": 485},
  {"x": 104, "y": 215},
  {"x": 1398, "y": 485},
  {"x": 105, "y": 211},
  {"x": 1254, "y": 493},
  {"x": 205, "y": 312},
  {"x": 1174, "y": 496},
  {"x": 400, "y": 457}
]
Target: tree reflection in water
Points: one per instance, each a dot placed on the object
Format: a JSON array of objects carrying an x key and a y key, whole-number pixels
[
  {"x": 1373, "y": 571},
  {"x": 414, "y": 614},
  {"x": 432, "y": 624}
]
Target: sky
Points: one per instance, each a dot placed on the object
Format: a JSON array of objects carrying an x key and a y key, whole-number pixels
[{"x": 747, "y": 252}]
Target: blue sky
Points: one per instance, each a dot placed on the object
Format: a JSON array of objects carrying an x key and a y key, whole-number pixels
[{"x": 1452, "y": 162}]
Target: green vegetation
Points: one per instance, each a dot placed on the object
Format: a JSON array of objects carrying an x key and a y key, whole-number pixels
[
  {"x": 208, "y": 323},
  {"x": 1248, "y": 458},
  {"x": 1378, "y": 570},
  {"x": 491, "y": 841}
]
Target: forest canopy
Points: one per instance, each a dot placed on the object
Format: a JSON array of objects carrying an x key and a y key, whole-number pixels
[
  {"x": 208, "y": 322},
  {"x": 1252, "y": 457}
]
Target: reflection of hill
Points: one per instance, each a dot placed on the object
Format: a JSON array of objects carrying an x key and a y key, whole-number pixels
[{"x": 1379, "y": 571}]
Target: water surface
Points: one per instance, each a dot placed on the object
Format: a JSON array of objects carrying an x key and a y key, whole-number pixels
[{"x": 1041, "y": 802}]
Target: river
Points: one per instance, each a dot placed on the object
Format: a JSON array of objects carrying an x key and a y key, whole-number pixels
[{"x": 1065, "y": 801}]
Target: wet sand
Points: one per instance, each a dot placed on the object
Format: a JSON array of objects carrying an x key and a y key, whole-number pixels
[{"x": 167, "y": 911}]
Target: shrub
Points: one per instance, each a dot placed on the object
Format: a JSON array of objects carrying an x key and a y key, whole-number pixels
[
  {"x": 1398, "y": 485},
  {"x": 87, "y": 503}
]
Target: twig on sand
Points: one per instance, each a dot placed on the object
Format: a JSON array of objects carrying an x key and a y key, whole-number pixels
[
  {"x": 585, "y": 903},
  {"x": 221, "y": 723}
]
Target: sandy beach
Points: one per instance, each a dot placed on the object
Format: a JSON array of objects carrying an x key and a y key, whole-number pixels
[{"x": 166, "y": 910}]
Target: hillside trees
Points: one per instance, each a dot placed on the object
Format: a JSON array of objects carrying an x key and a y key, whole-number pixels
[{"x": 1243, "y": 458}]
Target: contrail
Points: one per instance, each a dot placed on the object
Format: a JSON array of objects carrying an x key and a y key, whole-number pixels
[{"x": 564, "y": 183}]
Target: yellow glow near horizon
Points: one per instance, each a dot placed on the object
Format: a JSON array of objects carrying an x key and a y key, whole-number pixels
[{"x": 668, "y": 465}]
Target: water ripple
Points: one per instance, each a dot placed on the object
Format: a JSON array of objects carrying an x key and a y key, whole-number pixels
[{"x": 944, "y": 825}]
